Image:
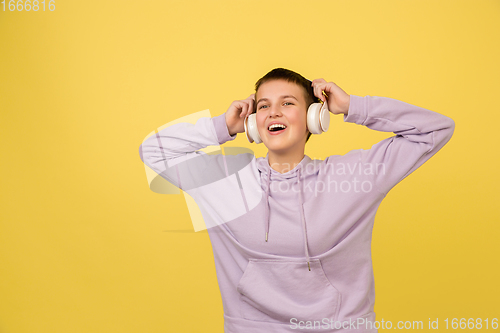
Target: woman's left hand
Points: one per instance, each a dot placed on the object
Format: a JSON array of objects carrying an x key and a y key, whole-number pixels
[{"x": 338, "y": 100}]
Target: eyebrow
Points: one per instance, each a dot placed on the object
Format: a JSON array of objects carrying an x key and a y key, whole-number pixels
[{"x": 282, "y": 97}]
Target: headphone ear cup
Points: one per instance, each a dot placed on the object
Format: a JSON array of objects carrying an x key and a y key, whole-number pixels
[
  {"x": 318, "y": 118},
  {"x": 250, "y": 124}
]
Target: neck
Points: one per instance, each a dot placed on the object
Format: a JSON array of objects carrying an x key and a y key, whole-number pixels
[{"x": 284, "y": 162}]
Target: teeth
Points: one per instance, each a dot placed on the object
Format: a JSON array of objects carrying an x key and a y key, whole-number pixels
[{"x": 276, "y": 125}]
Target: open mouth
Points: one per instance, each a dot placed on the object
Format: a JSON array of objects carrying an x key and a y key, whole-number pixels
[{"x": 275, "y": 129}]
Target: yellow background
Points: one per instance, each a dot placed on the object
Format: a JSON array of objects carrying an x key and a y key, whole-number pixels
[{"x": 86, "y": 246}]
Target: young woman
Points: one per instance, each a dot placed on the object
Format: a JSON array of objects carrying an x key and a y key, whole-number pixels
[{"x": 291, "y": 235}]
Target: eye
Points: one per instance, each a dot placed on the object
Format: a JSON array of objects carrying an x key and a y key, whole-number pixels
[
  {"x": 260, "y": 107},
  {"x": 290, "y": 103}
]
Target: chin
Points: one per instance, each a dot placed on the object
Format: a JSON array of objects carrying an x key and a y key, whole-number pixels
[
  {"x": 281, "y": 144},
  {"x": 279, "y": 148}
]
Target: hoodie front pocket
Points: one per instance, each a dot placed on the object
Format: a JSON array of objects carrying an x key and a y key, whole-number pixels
[{"x": 280, "y": 290}]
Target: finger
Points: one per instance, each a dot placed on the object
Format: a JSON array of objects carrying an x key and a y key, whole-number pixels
[
  {"x": 328, "y": 88},
  {"x": 249, "y": 101},
  {"x": 241, "y": 111},
  {"x": 252, "y": 106},
  {"x": 239, "y": 108},
  {"x": 318, "y": 91},
  {"x": 318, "y": 81},
  {"x": 319, "y": 86},
  {"x": 334, "y": 87},
  {"x": 244, "y": 109}
]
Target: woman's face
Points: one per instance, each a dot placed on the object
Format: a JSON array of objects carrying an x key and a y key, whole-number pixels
[{"x": 279, "y": 101}]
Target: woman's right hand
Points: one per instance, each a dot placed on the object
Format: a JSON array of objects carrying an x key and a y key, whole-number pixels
[{"x": 237, "y": 112}]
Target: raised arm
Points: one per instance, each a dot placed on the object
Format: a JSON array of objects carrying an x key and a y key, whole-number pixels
[
  {"x": 174, "y": 152},
  {"x": 419, "y": 134}
]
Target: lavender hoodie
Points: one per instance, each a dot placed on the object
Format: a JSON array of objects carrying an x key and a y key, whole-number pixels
[{"x": 292, "y": 251}]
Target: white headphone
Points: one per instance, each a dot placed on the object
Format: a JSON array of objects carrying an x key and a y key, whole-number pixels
[{"x": 318, "y": 121}]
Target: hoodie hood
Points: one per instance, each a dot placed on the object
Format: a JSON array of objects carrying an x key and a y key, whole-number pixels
[{"x": 268, "y": 174}]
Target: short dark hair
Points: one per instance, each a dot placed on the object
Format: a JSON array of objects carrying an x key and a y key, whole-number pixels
[{"x": 289, "y": 76}]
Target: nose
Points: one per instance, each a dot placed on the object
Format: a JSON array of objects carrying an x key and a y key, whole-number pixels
[{"x": 275, "y": 111}]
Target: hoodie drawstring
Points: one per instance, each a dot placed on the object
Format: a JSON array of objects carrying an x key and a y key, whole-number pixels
[
  {"x": 267, "y": 202},
  {"x": 301, "y": 207}
]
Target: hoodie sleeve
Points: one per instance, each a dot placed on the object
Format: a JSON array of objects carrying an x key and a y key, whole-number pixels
[
  {"x": 419, "y": 134},
  {"x": 173, "y": 151}
]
